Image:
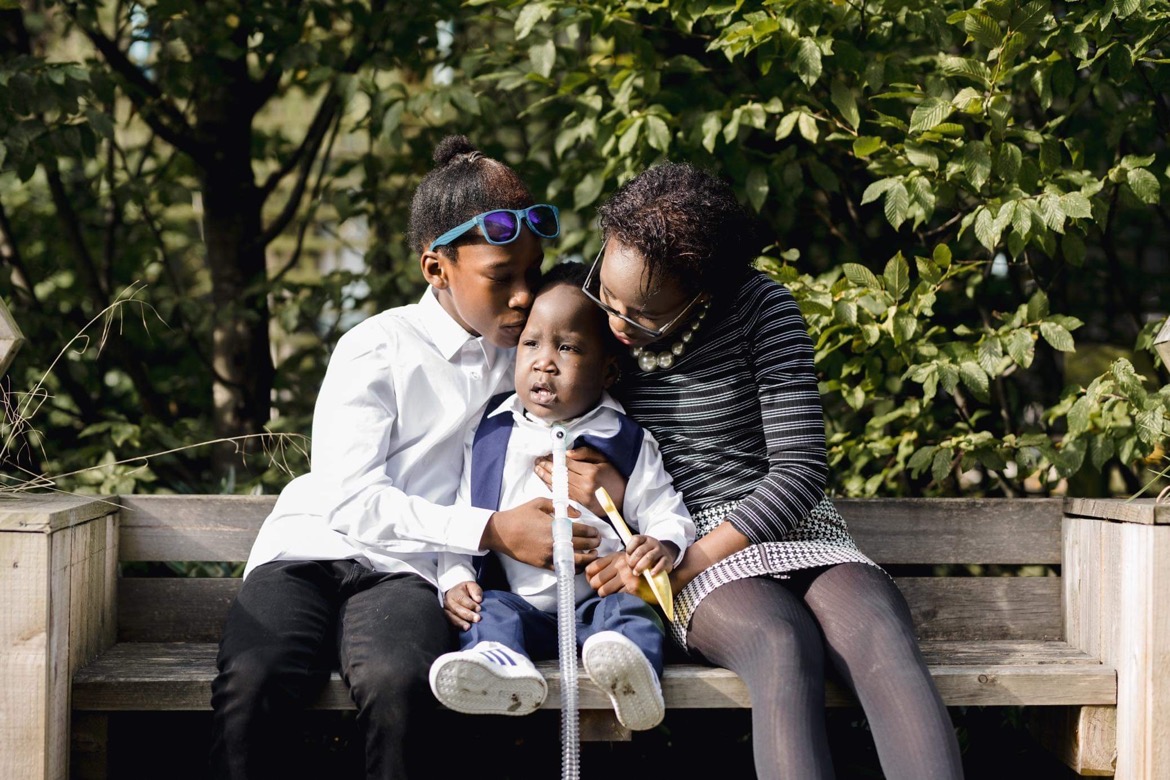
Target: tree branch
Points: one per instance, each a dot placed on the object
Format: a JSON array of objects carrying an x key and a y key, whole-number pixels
[
  {"x": 156, "y": 110},
  {"x": 311, "y": 141},
  {"x": 314, "y": 196},
  {"x": 306, "y": 154}
]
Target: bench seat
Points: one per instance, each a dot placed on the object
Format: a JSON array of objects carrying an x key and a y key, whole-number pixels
[{"x": 178, "y": 675}]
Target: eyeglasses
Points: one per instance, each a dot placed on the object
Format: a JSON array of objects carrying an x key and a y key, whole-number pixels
[
  {"x": 592, "y": 289},
  {"x": 502, "y": 226}
]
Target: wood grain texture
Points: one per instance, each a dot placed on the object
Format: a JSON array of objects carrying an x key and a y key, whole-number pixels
[
  {"x": 194, "y": 609},
  {"x": 1085, "y": 738},
  {"x": 896, "y": 531},
  {"x": 1144, "y": 511},
  {"x": 150, "y": 676},
  {"x": 37, "y": 513},
  {"x": 24, "y": 635}
]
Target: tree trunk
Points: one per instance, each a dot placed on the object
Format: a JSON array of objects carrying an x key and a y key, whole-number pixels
[{"x": 232, "y": 204}]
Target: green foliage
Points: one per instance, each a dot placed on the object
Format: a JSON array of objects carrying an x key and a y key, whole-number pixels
[
  {"x": 901, "y": 148},
  {"x": 960, "y": 194}
]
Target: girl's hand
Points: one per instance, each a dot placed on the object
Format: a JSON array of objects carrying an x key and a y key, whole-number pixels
[
  {"x": 588, "y": 470},
  {"x": 647, "y": 553},
  {"x": 461, "y": 604},
  {"x": 612, "y": 574}
]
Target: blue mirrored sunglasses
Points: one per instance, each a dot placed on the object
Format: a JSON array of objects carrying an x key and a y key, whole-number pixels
[{"x": 502, "y": 226}]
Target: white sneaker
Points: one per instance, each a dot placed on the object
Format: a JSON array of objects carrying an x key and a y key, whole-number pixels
[
  {"x": 620, "y": 669},
  {"x": 488, "y": 679}
]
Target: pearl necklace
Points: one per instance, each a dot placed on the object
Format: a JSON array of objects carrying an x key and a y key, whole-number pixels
[{"x": 648, "y": 360}]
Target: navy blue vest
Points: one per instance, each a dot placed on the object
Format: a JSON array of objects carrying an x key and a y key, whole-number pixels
[{"x": 490, "y": 446}]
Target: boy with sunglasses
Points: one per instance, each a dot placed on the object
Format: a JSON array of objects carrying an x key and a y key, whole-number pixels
[
  {"x": 344, "y": 569},
  {"x": 564, "y": 363}
]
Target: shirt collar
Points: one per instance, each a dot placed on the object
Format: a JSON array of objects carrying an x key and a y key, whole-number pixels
[
  {"x": 513, "y": 404},
  {"x": 447, "y": 334}
]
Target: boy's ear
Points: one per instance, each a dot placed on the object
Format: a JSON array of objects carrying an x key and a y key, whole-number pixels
[
  {"x": 434, "y": 269},
  {"x": 613, "y": 371}
]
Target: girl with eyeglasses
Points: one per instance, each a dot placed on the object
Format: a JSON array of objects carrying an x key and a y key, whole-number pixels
[
  {"x": 343, "y": 574},
  {"x": 720, "y": 371}
]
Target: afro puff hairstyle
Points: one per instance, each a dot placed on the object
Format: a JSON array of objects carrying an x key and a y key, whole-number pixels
[
  {"x": 463, "y": 183},
  {"x": 687, "y": 224}
]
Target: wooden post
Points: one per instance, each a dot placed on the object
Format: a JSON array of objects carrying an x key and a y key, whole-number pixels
[
  {"x": 58, "y": 570},
  {"x": 1117, "y": 607}
]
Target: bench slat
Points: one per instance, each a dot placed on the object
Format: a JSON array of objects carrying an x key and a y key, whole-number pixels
[
  {"x": 952, "y": 608},
  {"x": 149, "y": 676},
  {"x": 894, "y": 531}
]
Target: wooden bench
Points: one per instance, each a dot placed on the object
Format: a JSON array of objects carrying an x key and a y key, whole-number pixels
[{"x": 1089, "y": 643}]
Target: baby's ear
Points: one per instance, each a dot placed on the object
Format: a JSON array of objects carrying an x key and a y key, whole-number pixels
[{"x": 613, "y": 371}]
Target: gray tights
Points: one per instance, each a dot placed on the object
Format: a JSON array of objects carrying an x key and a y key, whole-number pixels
[{"x": 776, "y": 635}]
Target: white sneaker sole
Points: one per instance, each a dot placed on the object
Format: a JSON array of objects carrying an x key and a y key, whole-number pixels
[
  {"x": 476, "y": 687},
  {"x": 624, "y": 674}
]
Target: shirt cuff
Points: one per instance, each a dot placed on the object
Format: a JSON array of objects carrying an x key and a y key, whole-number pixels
[
  {"x": 453, "y": 575},
  {"x": 465, "y": 531}
]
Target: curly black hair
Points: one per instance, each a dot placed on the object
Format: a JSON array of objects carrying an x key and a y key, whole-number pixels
[
  {"x": 687, "y": 224},
  {"x": 462, "y": 184}
]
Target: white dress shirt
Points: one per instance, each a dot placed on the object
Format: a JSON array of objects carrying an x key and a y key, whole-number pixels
[
  {"x": 400, "y": 393},
  {"x": 652, "y": 506}
]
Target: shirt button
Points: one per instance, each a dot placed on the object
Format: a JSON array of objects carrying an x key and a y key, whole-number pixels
[{"x": 473, "y": 374}]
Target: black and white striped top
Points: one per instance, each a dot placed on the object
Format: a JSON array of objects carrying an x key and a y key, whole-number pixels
[
  {"x": 739, "y": 422},
  {"x": 739, "y": 416}
]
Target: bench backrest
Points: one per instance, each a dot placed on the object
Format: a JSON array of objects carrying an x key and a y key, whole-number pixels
[{"x": 926, "y": 543}]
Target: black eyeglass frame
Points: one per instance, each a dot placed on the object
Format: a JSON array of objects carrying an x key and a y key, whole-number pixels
[{"x": 652, "y": 332}]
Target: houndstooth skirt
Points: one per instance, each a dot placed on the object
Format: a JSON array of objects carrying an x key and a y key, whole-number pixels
[{"x": 821, "y": 540}]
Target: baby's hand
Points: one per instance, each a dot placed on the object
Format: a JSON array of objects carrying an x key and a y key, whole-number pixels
[
  {"x": 647, "y": 553},
  {"x": 461, "y": 604}
]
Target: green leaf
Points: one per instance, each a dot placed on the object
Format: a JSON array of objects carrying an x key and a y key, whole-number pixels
[
  {"x": 854, "y": 396},
  {"x": 983, "y": 29},
  {"x": 1021, "y": 347},
  {"x": 986, "y": 230},
  {"x": 990, "y": 355},
  {"x": 876, "y": 190},
  {"x": 808, "y": 127},
  {"x": 712, "y": 124},
  {"x": 1007, "y": 161},
  {"x": 940, "y": 467},
  {"x": 808, "y": 61},
  {"x": 921, "y": 156},
  {"x": 531, "y": 16},
  {"x": 975, "y": 379},
  {"x": 905, "y": 326},
  {"x": 929, "y": 113},
  {"x": 1057, "y": 336},
  {"x": 921, "y": 459},
  {"x": 860, "y": 276},
  {"x": 1076, "y": 205},
  {"x": 543, "y": 57},
  {"x": 1144, "y": 185},
  {"x": 930, "y": 273},
  {"x": 1079, "y": 415},
  {"x": 865, "y": 145},
  {"x": 1052, "y": 212},
  {"x": 942, "y": 256},
  {"x": 1151, "y": 425},
  {"x": 897, "y": 276},
  {"x": 787, "y": 124},
  {"x": 588, "y": 189},
  {"x": 896, "y": 203},
  {"x": 658, "y": 134},
  {"x": 843, "y": 99},
  {"x": 1037, "y": 306},
  {"x": 757, "y": 187},
  {"x": 961, "y": 67},
  {"x": 977, "y": 163}
]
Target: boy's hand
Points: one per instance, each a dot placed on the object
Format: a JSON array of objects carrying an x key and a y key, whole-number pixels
[
  {"x": 461, "y": 604},
  {"x": 588, "y": 470},
  {"x": 612, "y": 574},
  {"x": 645, "y": 553},
  {"x": 525, "y": 534}
]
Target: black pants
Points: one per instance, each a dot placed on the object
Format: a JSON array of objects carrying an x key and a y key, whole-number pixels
[{"x": 295, "y": 621}]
